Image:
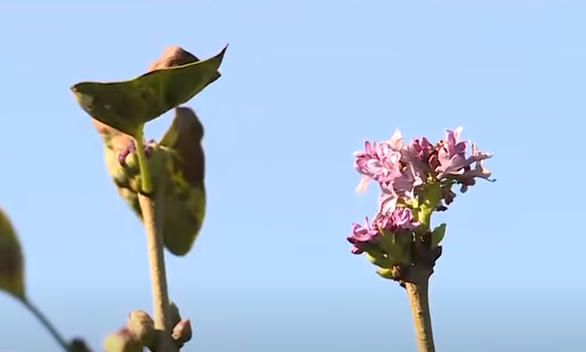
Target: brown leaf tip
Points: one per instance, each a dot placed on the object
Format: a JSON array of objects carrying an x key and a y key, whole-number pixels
[{"x": 173, "y": 56}]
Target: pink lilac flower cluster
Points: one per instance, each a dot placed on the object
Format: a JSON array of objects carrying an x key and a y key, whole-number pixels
[{"x": 403, "y": 171}]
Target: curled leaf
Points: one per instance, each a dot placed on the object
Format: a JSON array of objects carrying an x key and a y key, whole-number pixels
[
  {"x": 127, "y": 105},
  {"x": 437, "y": 235},
  {"x": 11, "y": 260},
  {"x": 174, "y": 56},
  {"x": 177, "y": 164},
  {"x": 185, "y": 189}
]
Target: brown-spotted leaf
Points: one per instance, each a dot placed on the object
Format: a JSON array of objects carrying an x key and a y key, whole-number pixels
[
  {"x": 186, "y": 196},
  {"x": 111, "y": 137},
  {"x": 174, "y": 56},
  {"x": 11, "y": 260},
  {"x": 128, "y": 105},
  {"x": 183, "y": 175},
  {"x": 179, "y": 164},
  {"x": 185, "y": 200},
  {"x": 184, "y": 137}
]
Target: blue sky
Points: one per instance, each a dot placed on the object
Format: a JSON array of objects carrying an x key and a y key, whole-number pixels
[{"x": 304, "y": 83}]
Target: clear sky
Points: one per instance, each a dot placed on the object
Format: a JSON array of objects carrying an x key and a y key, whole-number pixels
[{"x": 304, "y": 83}]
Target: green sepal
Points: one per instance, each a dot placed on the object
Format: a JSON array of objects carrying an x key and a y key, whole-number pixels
[
  {"x": 397, "y": 246},
  {"x": 385, "y": 273},
  {"x": 437, "y": 235},
  {"x": 378, "y": 258},
  {"x": 393, "y": 246},
  {"x": 428, "y": 202}
]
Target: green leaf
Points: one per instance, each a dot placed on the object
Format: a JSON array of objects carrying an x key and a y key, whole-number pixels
[
  {"x": 385, "y": 273},
  {"x": 11, "y": 260},
  {"x": 430, "y": 200},
  {"x": 378, "y": 258},
  {"x": 185, "y": 190},
  {"x": 128, "y": 105},
  {"x": 438, "y": 235},
  {"x": 178, "y": 165},
  {"x": 397, "y": 247}
]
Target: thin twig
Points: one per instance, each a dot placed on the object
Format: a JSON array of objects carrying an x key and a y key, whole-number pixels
[
  {"x": 47, "y": 324},
  {"x": 151, "y": 206},
  {"x": 156, "y": 262},
  {"x": 151, "y": 213},
  {"x": 417, "y": 291}
]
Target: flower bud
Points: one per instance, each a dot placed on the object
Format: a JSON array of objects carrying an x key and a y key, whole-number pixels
[
  {"x": 122, "y": 341},
  {"x": 78, "y": 345},
  {"x": 182, "y": 332},
  {"x": 174, "y": 314},
  {"x": 141, "y": 325}
]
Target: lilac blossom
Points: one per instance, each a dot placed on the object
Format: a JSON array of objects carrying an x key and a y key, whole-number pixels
[
  {"x": 377, "y": 162},
  {"x": 384, "y": 162},
  {"x": 402, "y": 186},
  {"x": 411, "y": 155},
  {"x": 453, "y": 162},
  {"x": 454, "y": 145},
  {"x": 396, "y": 142},
  {"x": 421, "y": 148},
  {"x": 467, "y": 178},
  {"x": 451, "y": 154},
  {"x": 416, "y": 152},
  {"x": 403, "y": 172},
  {"x": 368, "y": 164},
  {"x": 361, "y": 236},
  {"x": 401, "y": 219}
]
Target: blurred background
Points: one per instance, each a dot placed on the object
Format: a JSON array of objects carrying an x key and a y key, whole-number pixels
[{"x": 304, "y": 84}]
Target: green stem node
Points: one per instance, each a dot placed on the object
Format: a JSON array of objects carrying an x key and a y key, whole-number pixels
[{"x": 145, "y": 175}]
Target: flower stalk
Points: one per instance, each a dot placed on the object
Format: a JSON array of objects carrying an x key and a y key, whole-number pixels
[
  {"x": 417, "y": 292},
  {"x": 415, "y": 180},
  {"x": 151, "y": 205}
]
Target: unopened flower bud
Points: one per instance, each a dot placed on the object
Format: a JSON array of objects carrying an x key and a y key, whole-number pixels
[
  {"x": 78, "y": 345},
  {"x": 182, "y": 332},
  {"x": 141, "y": 325},
  {"x": 122, "y": 341},
  {"x": 131, "y": 149},
  {"x": 174, "y": 314}
]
